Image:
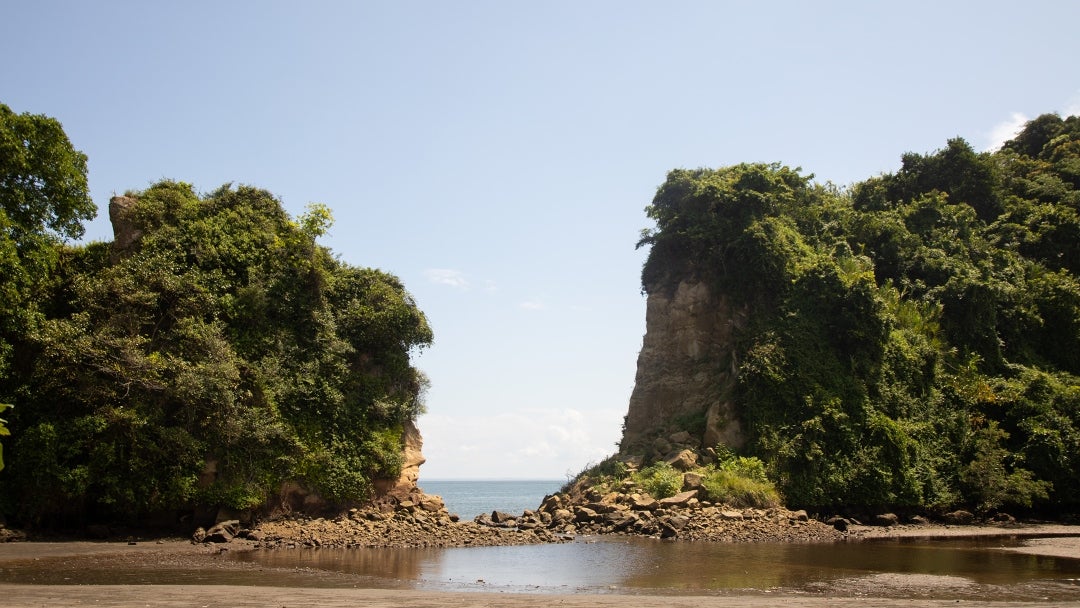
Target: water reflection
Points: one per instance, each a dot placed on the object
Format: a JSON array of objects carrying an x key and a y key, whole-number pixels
[{"x": 631, "y": 564}]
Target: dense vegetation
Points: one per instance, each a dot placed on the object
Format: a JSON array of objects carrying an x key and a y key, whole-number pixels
[
  {"x": 915, "y": 339},
  {"x": 220, "y": 354}
]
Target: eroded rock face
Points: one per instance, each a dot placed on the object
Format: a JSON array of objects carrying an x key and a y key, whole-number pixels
[
  {"x": 686, "y": 372},
  {"x": 412, "y": 445}
]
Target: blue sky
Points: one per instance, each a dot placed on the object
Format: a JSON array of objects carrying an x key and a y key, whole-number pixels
[{"x": 497, "y": 156}]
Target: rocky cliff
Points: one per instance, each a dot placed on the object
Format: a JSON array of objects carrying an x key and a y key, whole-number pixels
[{"x": 686, "y": 374}]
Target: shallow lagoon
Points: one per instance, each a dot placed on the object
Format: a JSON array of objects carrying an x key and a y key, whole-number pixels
[{"x": 904, "y": 568}]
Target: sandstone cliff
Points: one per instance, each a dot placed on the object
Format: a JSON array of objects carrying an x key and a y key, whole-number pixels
[{"x": 686, "y": 373}]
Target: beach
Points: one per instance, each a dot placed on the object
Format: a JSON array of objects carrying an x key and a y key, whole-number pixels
[{"x": 217, "y": 581}]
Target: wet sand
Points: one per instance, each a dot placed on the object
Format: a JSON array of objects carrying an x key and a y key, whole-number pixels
[
  {"x": 888, "y": 590},
  {"x": 175, "y": 596}
]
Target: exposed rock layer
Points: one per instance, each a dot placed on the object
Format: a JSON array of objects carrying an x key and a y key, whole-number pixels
[{"x": 686, "y": 372}]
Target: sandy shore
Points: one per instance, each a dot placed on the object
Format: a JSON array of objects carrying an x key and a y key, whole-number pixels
[
  {"x": 19, "y": 596},
  {"x": 887, "y": 590}
]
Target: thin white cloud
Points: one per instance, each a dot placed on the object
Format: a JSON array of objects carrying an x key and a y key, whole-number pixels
[
  {"x": 1005, "y": 130},
  {"x": 532, "y": 305},
  {"x": 547, "y": 443},
  {"x": 447, "y": 276}
]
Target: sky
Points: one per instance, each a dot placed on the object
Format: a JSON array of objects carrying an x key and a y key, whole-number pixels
[{"x": 497, "y": 156}]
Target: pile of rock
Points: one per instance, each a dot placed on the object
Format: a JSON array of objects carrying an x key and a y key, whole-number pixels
[
  {"x": 417, "y": 520},
  {"x": 682, "y": 516}
]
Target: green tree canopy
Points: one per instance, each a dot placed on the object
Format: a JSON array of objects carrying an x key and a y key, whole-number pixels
[
  {"x": 913, "y": 340},
  {"x": 220, "y": 354}
]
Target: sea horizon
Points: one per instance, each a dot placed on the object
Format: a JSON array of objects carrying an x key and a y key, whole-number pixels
[{"x": 471, "y": 497}]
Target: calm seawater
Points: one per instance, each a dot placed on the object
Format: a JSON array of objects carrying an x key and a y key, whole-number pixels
[{"x": 469, "y": 498}]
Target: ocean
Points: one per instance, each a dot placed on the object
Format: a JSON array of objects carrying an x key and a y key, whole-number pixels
[{"x": 469, "y": 498}]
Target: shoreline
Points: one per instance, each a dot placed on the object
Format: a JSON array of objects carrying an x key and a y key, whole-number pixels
[
  {"x": 175, "y": 596},
  {"x": 308, "y": 587}
]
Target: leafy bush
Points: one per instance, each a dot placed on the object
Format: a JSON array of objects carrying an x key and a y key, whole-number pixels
[{"x": 660, "y": 480}]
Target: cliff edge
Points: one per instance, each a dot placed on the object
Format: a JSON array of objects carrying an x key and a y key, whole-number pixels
[{"x": 686, "y": 374}]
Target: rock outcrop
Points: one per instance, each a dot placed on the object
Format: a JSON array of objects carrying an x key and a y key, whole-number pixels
[
  {"x": 411, "y": 445},
  {"x": 686, "y": 374},
  {"x": 125, "y": 232}
]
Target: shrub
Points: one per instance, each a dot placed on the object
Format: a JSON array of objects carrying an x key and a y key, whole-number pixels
[{"x": 660, "y": 480}]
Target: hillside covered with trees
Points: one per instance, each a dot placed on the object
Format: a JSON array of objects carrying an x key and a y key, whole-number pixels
[
  {"x": 213, "y": 354},
  {"x": 911, "y": 341}
]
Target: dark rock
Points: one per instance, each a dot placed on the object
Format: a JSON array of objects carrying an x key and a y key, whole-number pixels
[
  {"x": 959, "y": 518},
  {"x": 502, "y": 518},
  {"x": 839, "y": 523},
  {"x": 584, "y": 514},
  {"x": 886, "y": 520},
  {"x": 800, "y": 515},
  {"x": 692, "y": 481}
]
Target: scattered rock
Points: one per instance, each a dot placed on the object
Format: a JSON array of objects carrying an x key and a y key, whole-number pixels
[
  {"x": 684, "y": 460},
  {"x": 678, "y": 500},
  {"x": 959, "y": 518},
  {"x": 886, "y": 520},
  {"x": 692, "y": 481}
]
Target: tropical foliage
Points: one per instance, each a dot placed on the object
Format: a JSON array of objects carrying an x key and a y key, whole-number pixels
[
  {"x": 220, "y": 354},
  {"x": 915, "y": 339}
]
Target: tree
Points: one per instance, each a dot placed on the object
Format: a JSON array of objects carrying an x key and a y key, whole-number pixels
[{"x": 43, "y": 200}]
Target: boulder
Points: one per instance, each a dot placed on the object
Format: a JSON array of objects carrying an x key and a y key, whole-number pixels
[
  {"x": 222, "y": 532},
  {"x": 584, "y": 514},
  {"x": 886, "y": 520},
  {"x": 645, "y": 502},
  {"x": 551, "y": 503},
  {"x": 679, "y": 500},
  {"x": 684, "y": 460},
  {"x": 681, "y": 438},
  {"x": 692, "y": 481},
  {"x": 959, "y": 518},
  {"x": 499, "y": 517},
  {"x": 432, "y": 504}
]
